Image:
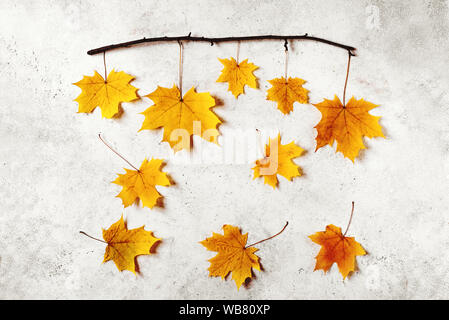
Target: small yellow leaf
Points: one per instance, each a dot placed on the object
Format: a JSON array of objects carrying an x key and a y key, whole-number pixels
[
  {"x": 124, "y": 245},
  {"x": 335, "y": 247},
  {"x": 347, "y": 125},
  {"x": 108, "y": 95},
  {"x": 142, "y": 184},
  {"x": 286, "y": 92},
  {"x": 237, "y": 75},
  {"x": 232, "y": 255},
  {"x": 181, "y": 118},
  {"x": 278, "y": 160}
]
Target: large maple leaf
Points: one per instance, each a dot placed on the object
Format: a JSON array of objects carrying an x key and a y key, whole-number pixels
[
  {"x": 124, "y": 245},
  {"x": 237, "y": 75},
  {"x": 142, "y": 183},
  {"x": 336, "y": 248},
  {"x": 233, "y": 255},
  {"x": 278, "y": 160},
  {"x": 286, "y": 92},
  {"x": 181, "y": 118},
  {"x": 347, "y": 125},
  {"x": 107, "y": 94}
]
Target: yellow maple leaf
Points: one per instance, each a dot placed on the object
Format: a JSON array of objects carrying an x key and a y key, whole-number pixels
[
  {"x": 336, "y": 248},
  {"x": 286, "y": 92},
  {"x": 107, "y": 94},
  {"x": 237, "y": 75},
  {"x": 142, "y": 183},
  {"x": 347, "y": 125},
  {"x": 278, "y": 160},
  {"x": 124, "y": 245},
  {"x": 181, "y": 118},
  {"x": 233, "y": 255}
]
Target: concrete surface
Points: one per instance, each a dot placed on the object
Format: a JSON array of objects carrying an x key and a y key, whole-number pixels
[{"x": 55, "y": 174}]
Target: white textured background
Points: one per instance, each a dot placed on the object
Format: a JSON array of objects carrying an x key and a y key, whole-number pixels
[{"x": 55, "y": 174}]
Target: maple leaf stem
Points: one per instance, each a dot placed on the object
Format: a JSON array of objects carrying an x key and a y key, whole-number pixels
[
  {"x": 104, "y": 63},
  {"x": 346, "y": 81},
  {"x": 237, "y": 56},
  {"x": 107, "y": 145},
  {"x": 82, "y": 232},
  {"x": 223, "y": 39},
  {"x": 250, "y": 245},
  {"x": 260, "y": 144},
  {"x": 286, "y": 59},
  {"x": 180, "y": 68},
  {"x": 350, "y": 219}
]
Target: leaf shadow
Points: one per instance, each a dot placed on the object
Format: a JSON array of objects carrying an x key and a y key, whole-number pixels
[
  {"x": 213, "y": 139},
  {"x": 155, "y": 246},
  {"x": 300, "y": 169},
  {"x": 169, "y": 177},
  {"x": 248, "y": 281},
  {"x": 121, "y": 111},
  {"x": 356, "y": 266},
  {"x": 218, "y": 103},
  {"x": 362, "y": 153},
  {"x": 160, "y": 203},
  {"x": 153, "y": 250},
  {"x": 137, "y": 267}
]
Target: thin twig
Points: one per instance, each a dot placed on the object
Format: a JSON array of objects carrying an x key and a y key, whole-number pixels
[
  {"x": 346, "y": 81},
  {"x": 107, "y": 145},
  {"x": 92, "y": 237},
  {"x": 351, "y": 50},
  {"x": 250, "y": 245},
  {"x": 350, "y": 219}
]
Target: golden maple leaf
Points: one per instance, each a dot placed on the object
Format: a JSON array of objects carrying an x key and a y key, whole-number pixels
[
  {"x": 233, "y": 255},
  {"x": 347, "y": 125},
  {"x": 286, "y": 92},
  {"x": 237, "y": 75},
  {"x": 278, "y": 160},
  {"x": 335, "y": 247},
  {"x": 124, "y": 245},
  {"x": 107, "y": 94},
  {"x": 181, "y": 118},
  {"x": 142, "y": 183}
]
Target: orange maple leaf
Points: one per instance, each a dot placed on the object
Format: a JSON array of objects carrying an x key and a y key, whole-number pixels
[
  {"x": 182, "y": 117},
  {"x": 142, "y": 183},
  {"x": 278, "y": 160},
  {"x": 233, "y": 255},
  {"x": 286, "y": 92},
  {"x": 335, "y": 247},
  {"x": 347, "y": 125},
  {"x": 237, "y": 75},
  {"x": 107, "y": 94},
  {"x": 124, "y": 245}
]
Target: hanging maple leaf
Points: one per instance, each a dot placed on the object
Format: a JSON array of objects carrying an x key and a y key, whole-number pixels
[
  {"x": 278, "y": 160},
  {"x": 335, "y": 247},
  {"x": 233, "y": 255},
  {"x": 286, "y": 92},
  {"x": 124, "y": 245},
  {"x": 142, "y": 183},
  {"x": 237, "y": 75},
  {"x": 181, "y": 118},
  {"x": 107, "y": 94},
  {"x": 347, "y": 125}
]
